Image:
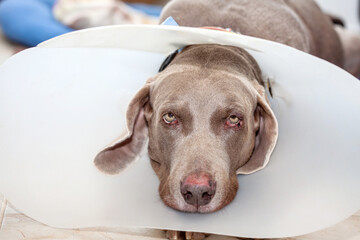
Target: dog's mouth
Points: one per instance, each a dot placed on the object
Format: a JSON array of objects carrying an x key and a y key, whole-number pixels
[
  {"x": 187, "y": 208},
  {"x": 198, "y": 209}
]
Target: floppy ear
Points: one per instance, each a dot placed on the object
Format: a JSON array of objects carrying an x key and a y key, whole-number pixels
[
  {"x": 265, "y": 139},
  {"x": 128, "y": 147}
]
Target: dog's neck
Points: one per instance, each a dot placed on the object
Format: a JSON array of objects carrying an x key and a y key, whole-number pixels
[{"x": 217, "y": 57}]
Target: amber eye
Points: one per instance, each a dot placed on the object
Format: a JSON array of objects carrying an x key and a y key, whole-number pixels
[
  {"x": 169, "y": 118},
  {"x": 234, "y": 119}
]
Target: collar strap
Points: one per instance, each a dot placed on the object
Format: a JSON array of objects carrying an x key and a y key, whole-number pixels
[{"x": 168, "y": 60}]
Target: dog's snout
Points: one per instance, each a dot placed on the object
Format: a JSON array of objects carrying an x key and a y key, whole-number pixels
[{"x": 198, "y": 189}]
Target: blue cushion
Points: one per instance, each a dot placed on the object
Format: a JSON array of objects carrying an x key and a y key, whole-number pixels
[{"x": 30, "y": 22}]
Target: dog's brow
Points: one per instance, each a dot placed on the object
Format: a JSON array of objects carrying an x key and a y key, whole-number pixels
[
  {"x": 233, "y": 108},
  {"x": 226, "y": 111},
  {"x": 174, "y": 105},
  {"x": 237, "y": 102}
]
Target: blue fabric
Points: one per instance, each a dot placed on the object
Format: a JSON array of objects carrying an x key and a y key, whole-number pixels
[
  {"x": 170, "y": 21},
  {"x": 151, "y": 10},
  {"x": 30, "y": 22}
]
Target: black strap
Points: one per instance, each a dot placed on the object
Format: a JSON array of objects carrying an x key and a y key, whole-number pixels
[{"x": 168, "y": 60}]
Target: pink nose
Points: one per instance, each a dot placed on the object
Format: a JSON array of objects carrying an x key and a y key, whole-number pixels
[{"x": 198, "y": 188}]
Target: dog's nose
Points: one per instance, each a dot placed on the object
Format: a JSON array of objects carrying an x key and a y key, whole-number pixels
[{"x": 198, "y": 188}]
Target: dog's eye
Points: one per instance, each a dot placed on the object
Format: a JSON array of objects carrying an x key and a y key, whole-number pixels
[
  {"x": 169, "y": 118},
  {"x": 234, "y": 121}
]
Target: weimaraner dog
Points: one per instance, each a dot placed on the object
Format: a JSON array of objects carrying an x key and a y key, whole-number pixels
[{"x": 206, "y": 115}]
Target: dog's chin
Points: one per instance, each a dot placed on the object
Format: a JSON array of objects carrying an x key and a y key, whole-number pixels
[{"x": 184, "y": 207}]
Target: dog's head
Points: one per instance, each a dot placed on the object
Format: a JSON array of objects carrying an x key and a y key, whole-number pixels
[{"x": 207, "y": 119}]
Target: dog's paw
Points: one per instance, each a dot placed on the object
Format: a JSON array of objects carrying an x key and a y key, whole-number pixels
[{"x": 177, "y": 235}]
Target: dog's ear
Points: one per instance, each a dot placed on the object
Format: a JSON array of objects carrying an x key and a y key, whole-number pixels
[
  {"x": 129, "y": 145},
  {"x": 266, "y": 137}
]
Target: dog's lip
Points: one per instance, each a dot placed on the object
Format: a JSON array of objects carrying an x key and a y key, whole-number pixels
[
  {"x": 197, "y": 209},
  {"x": 206, "y": 209},
  {"x": 187, "y": 208}
]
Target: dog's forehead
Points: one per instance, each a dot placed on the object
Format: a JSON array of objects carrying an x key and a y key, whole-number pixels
[{"x": 201, "y": 87}]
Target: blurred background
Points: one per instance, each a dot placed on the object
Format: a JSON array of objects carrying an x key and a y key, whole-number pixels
[{"x": 26, "y": 23}]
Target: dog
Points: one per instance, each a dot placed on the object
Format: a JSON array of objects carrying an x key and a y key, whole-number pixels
[{"x": 206, "y": 114}]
